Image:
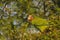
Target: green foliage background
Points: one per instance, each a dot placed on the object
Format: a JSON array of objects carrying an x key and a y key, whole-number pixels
[{"x": 15, "y": 26}]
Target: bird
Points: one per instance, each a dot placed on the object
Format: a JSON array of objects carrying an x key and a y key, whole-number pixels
[{"x": 30, "y": 18}]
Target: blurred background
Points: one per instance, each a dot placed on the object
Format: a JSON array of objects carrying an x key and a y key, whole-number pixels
[{"x": 29, "y": 19}]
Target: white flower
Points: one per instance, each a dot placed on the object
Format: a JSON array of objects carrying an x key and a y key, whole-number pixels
[
  {"x": 35, "y": 2},
  {"x": 1, "y": 8},
  {"x": 47, "y": 14},
  {"x": 13, "y": 13},
  {"x": 8, "y": 6},
  {"x": 14, "y": 22},
  {"x": 1, "y": 32},
  {"x": 32, "y": 30}
]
